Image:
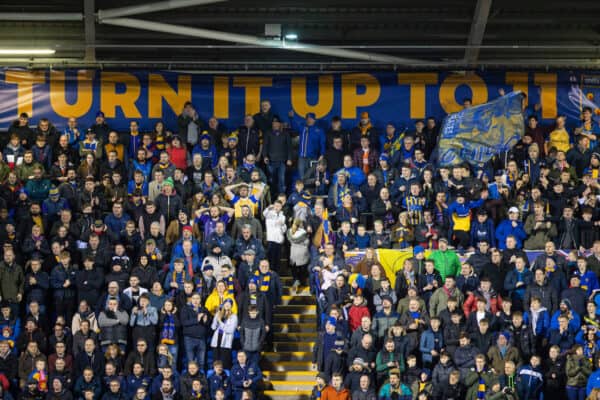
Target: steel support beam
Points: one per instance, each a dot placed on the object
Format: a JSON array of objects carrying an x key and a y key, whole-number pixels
[
  {"x": 480, "y": 18},
  {"x": 90, "y": 30},
  {"x": 253, "y": 40},
  {"x": 151, "y": 7},
  {"x": 27, "y": 16}
]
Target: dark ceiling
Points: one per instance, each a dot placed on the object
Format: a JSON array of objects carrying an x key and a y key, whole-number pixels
[{"x": 417, "y": 34}]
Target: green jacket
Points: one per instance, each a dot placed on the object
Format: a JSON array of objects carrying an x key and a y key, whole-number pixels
[
  {"x": 439, "y": 300},
  {"x": 384, "y": 357},
  {"x": 578, "y": 370},
  {"x": 24, "y": 171},
  {"x": 4, "y": 171},
  {"x": 11, "y": 281},
  {"x": 446, "y": 263},
  {"x": 472, "y": 382}
]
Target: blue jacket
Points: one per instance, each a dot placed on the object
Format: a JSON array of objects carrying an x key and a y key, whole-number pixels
[
  {"x": 146, "y": 169},
  {"x": 216, "y": 382},
  {"x": 116, "y": 224},
  {"x": 574, "y": 323},
  {"x": 240, "y": 374},
  {"x": 529, "y": 383},
  {"x": 430, "y": 341},
  {"x": 505, "y": 229},
  {"x": 312, "y": 140},
  {"x": 589, "y": 281},
  {"x": 593, "y": 382},
  {"x": 483, "y": 231},
  {"x": 543, "y": 324},
  {"x": 510, "y": 282},
  {"x": 134, "y": 383},
  {"x": 356, "y": 176}
]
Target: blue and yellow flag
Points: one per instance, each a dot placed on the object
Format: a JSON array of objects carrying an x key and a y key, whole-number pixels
[{"x": 475, "y": 134}]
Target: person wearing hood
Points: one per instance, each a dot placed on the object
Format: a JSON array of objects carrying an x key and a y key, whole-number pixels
[
  {"x": 207, "y": 151},
  {"x": 422, "y": 385},
  {"x": 482, "y": 229}
]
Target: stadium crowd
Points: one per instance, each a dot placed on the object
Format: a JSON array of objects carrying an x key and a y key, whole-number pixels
[{"x": 145, "y": 265}]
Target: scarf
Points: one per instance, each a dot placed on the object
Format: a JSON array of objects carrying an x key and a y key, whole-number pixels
[
  {"x": 167, "y": 335},
  {"x": 42, "y": 380},
  {"x": 481, "y": 388},
  {"x": 364, "y": 129},
  {"x": 179, "y": 278},
  {"x": 318, "y": 390},
  {"x": 230, "y": 287},
  {"x": 265, "y": 281},
  {"x": 535, "y": 316}
]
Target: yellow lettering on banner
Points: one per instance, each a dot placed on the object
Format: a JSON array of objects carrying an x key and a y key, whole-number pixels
[
  {"x": 25, "y": 81},
  {"x": 253, "y": 85},
  {"x": 452, "y": 82},
  {"x": 519, "y": 82},
  {"x": 325, "y": 96},
  {"x": 351, "y": 100},
  {"x": 547, "y": 84},
  {"x": 85, "y": 94},
  {"x": 110, "y": 99},
  {"x": 159, "y": 89},
  {"x": 221, "y": 97},
  {"x": 417, "y": 82}
]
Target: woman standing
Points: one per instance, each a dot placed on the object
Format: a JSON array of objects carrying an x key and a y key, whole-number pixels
[
  {"x": 299, "y": 252},
  {"x": 224, "y": 324}
]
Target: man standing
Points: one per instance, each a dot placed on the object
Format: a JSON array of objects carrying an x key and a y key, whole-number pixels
[
  {"x": 277, "y": 154},
  {"x": 12, "y": 281},
  {"x": 312, "y": 141}
]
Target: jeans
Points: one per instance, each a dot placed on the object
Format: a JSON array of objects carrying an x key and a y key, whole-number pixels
[
  {"x": 277, "y": 176},
  {"x": 195, "y": 350},
  {"x": 576, "y": 393},
  {"x": 303, "y": 166},
  {"x": 253, "y": 356}
]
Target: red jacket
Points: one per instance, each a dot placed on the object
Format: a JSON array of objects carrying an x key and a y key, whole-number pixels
[
  {"x": 470, "y": 305},
  {"x": 355, "y": 314},
  {"x": 178, "y": 157},
  {"x": 329, "y": 393}
]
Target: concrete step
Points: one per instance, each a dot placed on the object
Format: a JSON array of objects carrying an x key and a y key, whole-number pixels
[
  {"x": 289, "y": 375},
  {"x": 285, "y": 386},
  {"x": 294, "y": 318},
  {"x": 274, "y": 357},
  {"x": 293, "y": 346},
  {"x": 294, "y": 309},
  {"x": 294, "y": 336},
  {"x": 287, "y": 395},
  {"x": 283, "y": 366},
  {"x": 295, "y": 327},
  {"x": 298, "y": 300},
  {"x": 300, "y": 290},
  {"x": 286, "y": 280}
]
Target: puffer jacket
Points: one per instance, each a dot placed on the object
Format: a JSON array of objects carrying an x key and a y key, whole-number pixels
[
  {"x": 578, "y": 370},
  {"x": 252, "y": 334}
]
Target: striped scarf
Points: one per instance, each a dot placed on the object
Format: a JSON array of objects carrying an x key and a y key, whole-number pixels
[
  {"x": 481, "y": 388},
  {"x": 178, "y": 278},
  {"x": 265, "y": 281},
  {"x": 167, "y": 335},
  {"x": 229, "y": 281},
  {"x": 318, "y": 389}
]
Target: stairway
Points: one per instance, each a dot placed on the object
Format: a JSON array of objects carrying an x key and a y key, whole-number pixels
[{"x": 287, "y": 368}]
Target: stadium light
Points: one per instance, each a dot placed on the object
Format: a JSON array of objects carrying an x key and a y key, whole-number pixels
[{"x": 26, "y": 52}]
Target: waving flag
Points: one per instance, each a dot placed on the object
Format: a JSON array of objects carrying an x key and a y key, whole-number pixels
[{"x": 475, "y": 134}]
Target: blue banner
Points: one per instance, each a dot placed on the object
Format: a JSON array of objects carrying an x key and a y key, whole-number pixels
[
  {"x": 401, "y": 98},
  {"x": 477, "y": 133}
]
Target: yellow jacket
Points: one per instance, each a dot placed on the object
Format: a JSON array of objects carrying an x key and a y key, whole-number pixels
[{"x": 213, "y": 302}]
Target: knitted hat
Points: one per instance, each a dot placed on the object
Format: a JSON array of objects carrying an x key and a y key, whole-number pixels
[{"x": 168, "y": 182}]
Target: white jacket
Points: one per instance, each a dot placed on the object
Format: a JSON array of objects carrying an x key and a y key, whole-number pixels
[
  {"x": 275, "y": 223},
  {"x": 228, "y": 327}
]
